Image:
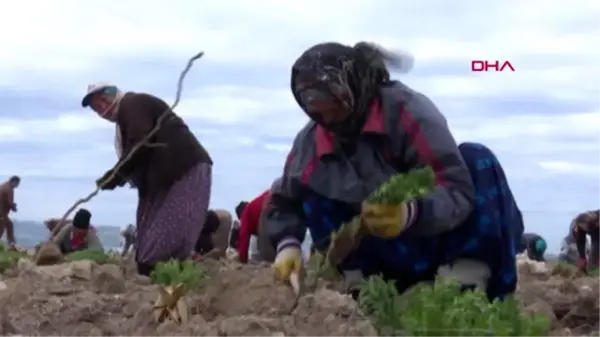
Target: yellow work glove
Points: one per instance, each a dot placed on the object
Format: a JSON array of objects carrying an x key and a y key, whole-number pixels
[
  {"x": 288, "y": 259},
  {"x": 387, "y": 221}
]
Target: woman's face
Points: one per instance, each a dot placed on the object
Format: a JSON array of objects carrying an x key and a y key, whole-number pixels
[
  {"x": 321, "y": 106},
  {"x": 101, "y": 104}
]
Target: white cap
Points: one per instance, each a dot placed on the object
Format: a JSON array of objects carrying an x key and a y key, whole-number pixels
[{"x": 93, "y": 89}]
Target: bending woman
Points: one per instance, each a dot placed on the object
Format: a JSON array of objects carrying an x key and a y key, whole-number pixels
[{"x": 172, "y": 175}]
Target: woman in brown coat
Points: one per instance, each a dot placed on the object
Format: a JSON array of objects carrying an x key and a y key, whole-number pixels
[{"x": 172, "y": 175}]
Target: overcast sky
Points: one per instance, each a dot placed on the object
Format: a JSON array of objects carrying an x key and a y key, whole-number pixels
[{"x": 542, "y": 120}]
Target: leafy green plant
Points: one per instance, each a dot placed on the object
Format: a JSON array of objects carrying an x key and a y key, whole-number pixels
[
  {"x": 323, "y": 267},
  {"x": 403, "y": 187},
  {"x": 444, "y": 309},
  {"x": 97, "y": 256},
  {"x": 594, "y": 272},
  {"x": 172, "y": 273},
  {"x": 8, "y": 258}
]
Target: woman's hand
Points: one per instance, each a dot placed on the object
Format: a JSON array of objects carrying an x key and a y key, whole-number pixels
[
  {"x": 385, "y": 221},
  {"x": 109, "y": 181},
  {"x": 287, "y": 261}
]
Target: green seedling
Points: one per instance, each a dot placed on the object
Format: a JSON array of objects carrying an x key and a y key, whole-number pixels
[
  {"x": 398, "y": 189},
  {"x": 190, "y": 274},
  {"x": 95, "y": 255},
  {"x": 444, "y": 309}
]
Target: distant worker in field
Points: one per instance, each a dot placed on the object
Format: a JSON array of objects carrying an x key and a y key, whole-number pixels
[
  {"x": 172, "y": 172},
  {"x": 129, "y": 237},
  {"x": 568, "y": 249},
  {"x": 251, "y": 215},
  {"x": 534, "y": 245},
  {"x": 583, "y": 225},
  {"x": 234, "y": 236},
  {"x": 214, "y": 238},
  {"x": 8, "y": 204},
  {"x": 79, "y": 234}
]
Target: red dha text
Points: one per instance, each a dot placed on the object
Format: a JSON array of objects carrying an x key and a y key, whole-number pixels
[{"x": 496, "y": 66}]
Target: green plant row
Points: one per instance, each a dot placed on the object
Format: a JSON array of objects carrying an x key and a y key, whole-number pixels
[
  {"x": 8, "y": 258},
  {"x": 189, "y": 273},
  {"x": 443, "y": 309}
]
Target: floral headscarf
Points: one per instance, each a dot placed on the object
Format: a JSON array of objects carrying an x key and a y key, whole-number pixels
[
  {"x": 109, "y": 90},
  {"x": 350, "y": 76}
]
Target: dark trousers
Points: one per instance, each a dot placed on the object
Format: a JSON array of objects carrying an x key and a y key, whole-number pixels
[
  {"x": 7, "y": 224},
  {"x": 145, "y": 269}
]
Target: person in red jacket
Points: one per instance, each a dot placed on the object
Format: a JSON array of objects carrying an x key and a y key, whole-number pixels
[{"x": 249, "y": 220}]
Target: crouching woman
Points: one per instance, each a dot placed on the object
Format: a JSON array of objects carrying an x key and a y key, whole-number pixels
[
  {"x": 79, "y": 234},
  {"x": 364, "y": 128}
]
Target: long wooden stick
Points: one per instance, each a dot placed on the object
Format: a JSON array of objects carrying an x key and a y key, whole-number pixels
[{"x": 143, "y": 142}]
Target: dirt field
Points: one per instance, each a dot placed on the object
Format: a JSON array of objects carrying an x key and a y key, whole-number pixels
[{"x": 85, "y": 299}]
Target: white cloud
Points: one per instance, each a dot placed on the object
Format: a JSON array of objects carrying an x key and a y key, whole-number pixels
[
  {"x": 232, "y": 105},
  {"x": 529, "y": 126},
  {"x": 15, "y": 129},
  {"x": 285, "y": 148},
  {"x": 568, "y": 167}
]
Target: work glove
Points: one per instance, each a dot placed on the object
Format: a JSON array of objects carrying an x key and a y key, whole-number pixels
[
  {"x": 106, "y": 183},
  {"x": 288, "y": 259},
  {"x": 582, "y": 263},
  {"x": 387, "y": 221}
]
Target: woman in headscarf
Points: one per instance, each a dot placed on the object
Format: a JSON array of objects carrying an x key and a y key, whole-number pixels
[
  {"x": 172, "y": 173},
  {"x": 534, "y": 245},
  {"x": 79, "y": 234},
  {"x": 364, "y": 128},
  {"x": 214, "y": 238}
]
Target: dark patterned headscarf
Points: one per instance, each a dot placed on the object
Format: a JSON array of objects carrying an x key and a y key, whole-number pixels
[{"x": 348, "y": 76}]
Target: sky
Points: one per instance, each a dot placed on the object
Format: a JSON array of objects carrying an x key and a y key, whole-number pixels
[{"x": 542, "y": 120}]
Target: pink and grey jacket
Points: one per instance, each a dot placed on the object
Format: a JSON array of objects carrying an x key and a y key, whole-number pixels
[
  {"x": 404, "y": 131},
  {"x": 321, "y": 187}
]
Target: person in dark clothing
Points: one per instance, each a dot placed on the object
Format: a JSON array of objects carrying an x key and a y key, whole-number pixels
[
  {"x": 239, "y": 209},
  {"x": 129, "y": 239},
  {"x": 364, "y": 128},
  {"x": 568, "y": 250},
  {"x": 583, "y": 225},
  {"x": 234, "y": 235},
  {"x": 236, "y": 229},
  {"x": 173, "y": 180},
  {"x": 535, "y": 246},
  {"x": 8, "y": 204},
  {"x": 205, "y": 242}
]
